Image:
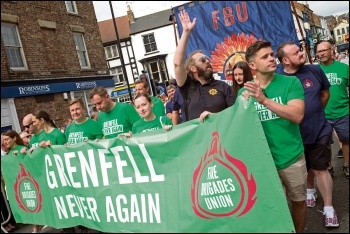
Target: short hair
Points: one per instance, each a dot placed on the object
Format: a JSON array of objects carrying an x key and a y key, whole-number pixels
[
  {"x": 78, "y": 100},
  {"x": 101, "y": 91},
  {"x": 170, "y": 87},
  {"x": 145, "y": 84},
  {"x": 254, "y": 48},
  {"x": 280, "y": 52},
  {"x": 146, "y": 95},
  {"x": 189, "y": 61}
]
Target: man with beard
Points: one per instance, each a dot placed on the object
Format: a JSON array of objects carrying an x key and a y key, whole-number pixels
[
  {"x": 315, "y": 130},
  {"x": 202, "y": 94}
]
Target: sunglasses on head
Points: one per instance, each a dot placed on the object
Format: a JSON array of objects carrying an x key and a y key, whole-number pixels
[
  {"x": 27, "y": 126},
  {"x": 203, "y": 59}
]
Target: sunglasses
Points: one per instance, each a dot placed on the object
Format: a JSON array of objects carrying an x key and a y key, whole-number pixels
[
  {"x": 26, "y": 136},
  {"x": 203, "y": 59},
  {"x": 27, "y": 126}
]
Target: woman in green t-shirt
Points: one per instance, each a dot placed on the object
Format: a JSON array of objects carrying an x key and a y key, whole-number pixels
[
  {"x": 149, "y": 121},
  {"x": 14, "y": 143}
]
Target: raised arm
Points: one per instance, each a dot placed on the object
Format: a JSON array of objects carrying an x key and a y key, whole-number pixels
[{"x": 179, "y": 56}]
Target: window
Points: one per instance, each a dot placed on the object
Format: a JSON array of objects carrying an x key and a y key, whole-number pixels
[
  {"x": 343, "y": 31},
  {"x": 149, "y": 43},
  {"x": 155, "y": 71},
  {"x": 81, "y": 50},
  {"x": 13, "y": 46},
  {"x": 71, "y": 7},
  {"x": 163, "y": 70},
  {"x": 338, "y": 31},
  {"x": 111, "y": 52},
  {"x": 118, "y": 75},
  {"x": 347, "y": 29}
]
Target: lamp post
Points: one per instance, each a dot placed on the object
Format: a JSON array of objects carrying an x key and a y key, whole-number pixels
[{"x": 120, "y": 51}]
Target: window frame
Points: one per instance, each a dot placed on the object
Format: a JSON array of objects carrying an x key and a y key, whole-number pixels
[
  {"x": 150, "y": 43},
  {"x": 118, "y": 75},
  {"x": 19, "y": 46},
  {"x": 85, "y": 52},
  {"x": 112, "y": 51},
  {"x": 73, "y": 5}
]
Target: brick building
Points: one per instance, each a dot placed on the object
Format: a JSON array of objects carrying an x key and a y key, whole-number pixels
[{"x": 51, "y": 52}]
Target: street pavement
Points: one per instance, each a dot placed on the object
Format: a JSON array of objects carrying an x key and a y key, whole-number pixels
[{"x": 315, "y": 219}]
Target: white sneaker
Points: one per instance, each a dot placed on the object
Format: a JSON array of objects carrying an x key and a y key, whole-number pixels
[
  {"x": 330, "y": 218},
  {"x": 311, "y": 199}
]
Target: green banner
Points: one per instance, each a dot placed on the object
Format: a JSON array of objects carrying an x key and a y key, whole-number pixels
[{"x": 216, "y": 176}]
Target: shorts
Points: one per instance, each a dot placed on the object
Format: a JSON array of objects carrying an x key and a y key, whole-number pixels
[
  {"x": 319, "y": 154},
  {"x": 341, "y": 127},
  {"x": 293, "y": 179}
]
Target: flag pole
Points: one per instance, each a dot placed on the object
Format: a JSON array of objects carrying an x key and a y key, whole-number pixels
[
  {"x": 301, "y": 31},
  {"x": 173, "y": 20}
]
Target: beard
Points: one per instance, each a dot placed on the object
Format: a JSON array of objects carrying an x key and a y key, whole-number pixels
[{"x": 207, "y": 74}]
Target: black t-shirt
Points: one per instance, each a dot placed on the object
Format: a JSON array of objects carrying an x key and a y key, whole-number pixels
[{"x": 214, "y": 97}]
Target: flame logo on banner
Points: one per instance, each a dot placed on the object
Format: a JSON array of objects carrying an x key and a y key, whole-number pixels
[
  {"x": 221, "y": 185},
  {"x": 27, "y": 192}
]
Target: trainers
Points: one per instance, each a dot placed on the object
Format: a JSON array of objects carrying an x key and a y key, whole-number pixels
[
  {"x": 330, "y": 218},
  {"x": 311, "y": 199},
  {"x": 346, "y": 171},
  {"x": 340, "y": 153}
]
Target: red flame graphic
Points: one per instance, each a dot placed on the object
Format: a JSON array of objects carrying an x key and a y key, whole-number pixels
[
  {"x": 24, "y": 175},
  {"x": 216, "y": 150}
]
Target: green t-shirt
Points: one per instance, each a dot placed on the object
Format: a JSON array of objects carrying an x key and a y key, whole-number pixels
[
  {"x": 36, "y": 139},
  {"x": 56, "y": 137},
  {"x": 89, "y": 130},
  {"x": 18, "y": 149},
  {"x": 158, "y": 106},
  {"x": 283, "y": 136},
  {"x": 153, "y": 125},
  {"x": 338, "y": 76},
  {"x": 119, "y": 120}
]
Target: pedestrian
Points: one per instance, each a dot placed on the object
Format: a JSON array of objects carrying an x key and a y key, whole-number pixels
[
  {"x": 82, "y": 128},
  {"x": 14, "y": 143},
  {"x": 337, "y": 109},
  {"x": 158, "y": 105},
  {"x": 315, "y": 130},
  {"x": 113, "y": 118},
  {"x": 37, "y": 136},
  {"x": 53, "y": 136},
  {"x": 169, "y": 105},
  {"x": 178, "y": 114},
  {"x": 279, "y": 101},
  {"x": 200, "y": 91},
  {"x": 241, "y": 74}
]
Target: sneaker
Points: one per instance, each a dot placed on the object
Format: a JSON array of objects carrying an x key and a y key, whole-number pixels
[
  {"x": 340, "y": 153},
  {"x": 330, "y": 218},
  {"x": 346, "y": 171},
  {"x": 311, "y": 199}
]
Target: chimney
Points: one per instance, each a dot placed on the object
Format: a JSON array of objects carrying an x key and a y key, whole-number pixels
[{"x": 130, "y": 15}]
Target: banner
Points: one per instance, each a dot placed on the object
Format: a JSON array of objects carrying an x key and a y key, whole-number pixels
[
  {"x": 224, "y": 29},
  {"x": 216, "y": 176}
]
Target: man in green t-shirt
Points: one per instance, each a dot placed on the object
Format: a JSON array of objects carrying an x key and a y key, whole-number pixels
[
  {"x": 114, "y": 118},
  {"x": 337, "y": 109},
  {"x": 158, "y": 106},
  {"x": 279, "y": 101},
  {"x": 37, "y": 135},
  {"x": 82, "y": 128}
]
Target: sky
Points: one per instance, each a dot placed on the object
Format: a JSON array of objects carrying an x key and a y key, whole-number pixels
[{"x": 103, "y": 11}]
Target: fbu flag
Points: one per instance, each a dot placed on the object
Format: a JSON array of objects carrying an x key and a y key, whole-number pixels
[{"x": 224, "y": 29}]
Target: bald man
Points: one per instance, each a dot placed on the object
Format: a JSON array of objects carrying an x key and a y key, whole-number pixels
[{"x": 37, "y": 135}]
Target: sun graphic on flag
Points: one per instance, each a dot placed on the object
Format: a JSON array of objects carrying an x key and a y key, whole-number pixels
[{"x": 229, "y": 52}]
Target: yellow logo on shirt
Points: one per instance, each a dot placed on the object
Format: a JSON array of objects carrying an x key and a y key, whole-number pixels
[{"x": 213, "y": 91}]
